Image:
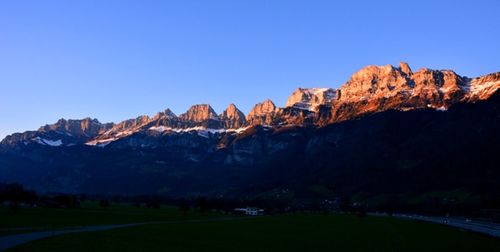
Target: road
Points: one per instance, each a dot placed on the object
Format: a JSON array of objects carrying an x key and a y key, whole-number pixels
[
  {"x": 11, "y": 241},
  {"x": 489, "y": 228}
]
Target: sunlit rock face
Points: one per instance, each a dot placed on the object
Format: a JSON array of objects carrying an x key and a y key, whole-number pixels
[
  {"x": 311, "y": 98},
  {"x": 373, "y": 82},
  {"x": 199, "y": 113},
  {"x": 62, "y": 133},
  {"x": 405, "y": 68},
  {"x": 165, "y": 118},
  {"x": 87, "y": 126},
  {"x": 435, "y": 87},
  {"x": 167, "y": 114},
  {"x": 483, "y": 87},
  {"x": 123, "y": 129},
  {"x": 264, "y": 113},
  {"x": 370, "y": 90},
  {"x": 379, "y": 88},
  {"x": 130, "y": 123},
  {"x": 232, "y": 117}
]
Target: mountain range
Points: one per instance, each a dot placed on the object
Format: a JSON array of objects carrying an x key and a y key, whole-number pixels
[
  {"x": 372, "y": 89},
  {"x": 386, "y": 131}
]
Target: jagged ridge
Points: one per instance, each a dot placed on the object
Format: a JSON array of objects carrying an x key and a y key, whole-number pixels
[{"x": 370, "y": 90}]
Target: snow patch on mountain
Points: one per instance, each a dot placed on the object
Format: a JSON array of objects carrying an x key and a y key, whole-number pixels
[
  {"x": 200, "y": 130},
  {"x": 483, "y": 89},
  {"x": 43, "y": 141},
  {"x": 101, "y": 142},
  {"x": 311, "y": 98}
]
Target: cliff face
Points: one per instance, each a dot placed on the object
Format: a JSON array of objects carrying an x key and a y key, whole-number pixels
[
  {"x": 371, "y": 90},
  {"x": 85, "y": 127},
  {"x": 232, "y": 117},
  {"x": 124, "y": 128},
  {"x": 379, "y": 88},
  {"x": 386, "y": 130},
  {"x": 311, "y": 98},
  {"x": 264, "y": 113},
  {"x": 433, "y": 87},
  {"x": 483, "y": 87},
  {"x": 199, "y": 113},
  {"x": 63, "y": 132},
  {"x": 166, "y": 118},
  {"x": 391, "y": 152}
]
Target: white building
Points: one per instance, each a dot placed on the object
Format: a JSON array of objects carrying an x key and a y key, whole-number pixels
[{"x": 250, "y": 211}]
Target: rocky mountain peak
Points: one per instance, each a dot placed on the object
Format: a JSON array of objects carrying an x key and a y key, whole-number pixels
[
  {"x": 437, "y": 88},
  {"x": 405, "y": 68},
  {"x": 233, "y": 117},
  {"x": 263, "y": 113},
  {"x": 63, "y": 132},
  {"x": 483, "y": 87},
  {"x": 82, "y": 127},
  {"x": 167, "y": 114},
  {"x": 231, "y": 112},
  {"x": 127, "y": 127},
  {"x": 263, "y": 108},
  {"x": 379, "y": 88},
  {"x": 370, "y": 90},
  {"x": 373, "y": 81},
  {"x": 138, "y": 121},
  {"x": 311, "y": 98},
  {"x": 199, "y": 113}
]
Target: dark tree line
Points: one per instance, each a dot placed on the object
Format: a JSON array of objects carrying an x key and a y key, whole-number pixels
[{"x": 16, "y": 196}]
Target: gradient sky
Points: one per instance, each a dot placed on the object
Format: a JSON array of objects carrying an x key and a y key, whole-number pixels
[{"x": 115, "y": 60}]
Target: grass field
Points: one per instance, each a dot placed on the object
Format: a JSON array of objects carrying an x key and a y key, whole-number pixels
[
  {"x": 89, "y": 214},
  {"x": 276, "y": 233}
]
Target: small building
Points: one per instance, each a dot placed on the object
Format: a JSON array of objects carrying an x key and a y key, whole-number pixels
[{"x": 250, "y": 211}]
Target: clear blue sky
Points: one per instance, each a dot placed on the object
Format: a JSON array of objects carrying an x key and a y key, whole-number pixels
[{"x": 114, "y": 60}]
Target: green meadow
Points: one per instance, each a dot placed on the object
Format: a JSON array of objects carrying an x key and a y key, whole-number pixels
[
  {"x": 291, "y": 232},
  {"x": 90, "y": 214}
]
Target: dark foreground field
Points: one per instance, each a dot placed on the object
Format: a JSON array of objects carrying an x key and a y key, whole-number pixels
[
  {"x": 296, "y": 232},
  {"x": 90, "y": 213}
]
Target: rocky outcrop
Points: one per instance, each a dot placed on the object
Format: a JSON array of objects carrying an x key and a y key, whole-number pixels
[
  {"x": 374, "y": 82},
  {"x": 166, "y": 118},
  {"x": 131, "y": 123},
  {"x": 62, "y": 133},
  {"x": 167, "y": 114},
  {"x": 379, "y": 88},
  {"x": 371, "y": 90},
  {"x": 124, "y": 128},
  {"x": 311, "y": 98},
  {"x": 85, "y": 127},
  {"x": 483, "y": 87},
  {"x": 199, "y": 113},
  {"x": 405, "y": 68},
  {"x": 388, "y": 153},
  {"x": 232, "y": 117},
  {"x": 264, "y": 113},
  {"x": 433, "y": 87}
]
